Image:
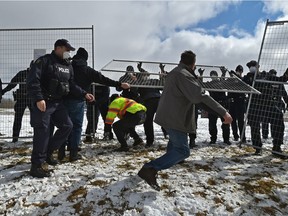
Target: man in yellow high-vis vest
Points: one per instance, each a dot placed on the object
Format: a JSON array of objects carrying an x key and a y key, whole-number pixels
[{"x": 130, "y": 114}]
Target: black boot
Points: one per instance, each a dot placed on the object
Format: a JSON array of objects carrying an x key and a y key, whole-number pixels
[
  {"x": 192, "y": 143},
  {"x": 61, "y": 153},
  {"x": 149, "y": 174},
  {"x": 50, "y": 160},
  {"x": 74, "y": 156},
  {"x": 38, "y": 171}
]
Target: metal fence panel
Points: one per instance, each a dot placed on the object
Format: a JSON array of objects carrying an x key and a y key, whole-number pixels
[{"x": 18, "y": 48}]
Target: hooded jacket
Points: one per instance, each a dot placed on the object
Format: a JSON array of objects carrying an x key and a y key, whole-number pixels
[{"x": 84, "y": 76}]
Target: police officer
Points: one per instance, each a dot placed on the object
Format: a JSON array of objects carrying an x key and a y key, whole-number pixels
[
  {"x": 50, "y": 79},
  {"x": 99, "y": 107},
  {"x": 264, "y": 108},
  {"x": 237, "y": 108},
  {"x": 21, "y": 98},
  {"x": 222, "y": 99}
]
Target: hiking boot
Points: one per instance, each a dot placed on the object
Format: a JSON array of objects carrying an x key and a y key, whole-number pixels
[
  {"x": 212, "y": 141},
  {"x": 227, "y": 142},
  {"x": 50, "y": 160},
  {"x": 149, "y": 144},
  {"x": 258, "y": 152},
  {"x": 138, "y": 142},
  {"x": 38, "y": 171},
  {"x": 74, "y": 156},
  {"x": 122, "y": 149},
  {"x": 149, "y": 174},
  {"x": 88, "y": 139},
  {"x": 14, "y": 140}
]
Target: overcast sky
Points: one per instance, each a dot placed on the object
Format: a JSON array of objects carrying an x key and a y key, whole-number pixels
[{"x": 219, "y": 32}]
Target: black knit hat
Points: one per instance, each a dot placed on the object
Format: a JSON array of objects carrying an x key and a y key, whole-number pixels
[
  {"x": 82, "y": 53},
  {"x": 113, "y": 97},
  {"x": 239, "y": 68}
]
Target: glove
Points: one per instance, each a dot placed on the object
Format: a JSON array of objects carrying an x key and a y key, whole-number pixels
[
  {"x": 162, "y": 67},
  {"x": 223, "y": 70},
  {"x": 107, "y": 128},
  {"x": 201, "y": 71},
  {"x": 139, "y": 66}
]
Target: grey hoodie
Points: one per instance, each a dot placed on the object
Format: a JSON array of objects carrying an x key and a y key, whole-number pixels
[{"x": 177, "y": 103}]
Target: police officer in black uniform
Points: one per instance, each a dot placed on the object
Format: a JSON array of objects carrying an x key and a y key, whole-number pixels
[
  {"x": 100, "y": 107},
  {"x": 50, "y": 79},
  {"x": 221, "y": 98},
  {"x": 21, "y": 98},
  {"x": 264, "y": 108},
  {"x": 237, "y": 108}
]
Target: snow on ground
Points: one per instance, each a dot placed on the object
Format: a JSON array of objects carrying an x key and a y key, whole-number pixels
[{"x": 215, "y": 180}]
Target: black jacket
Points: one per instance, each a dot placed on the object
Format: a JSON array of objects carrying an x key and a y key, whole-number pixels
[
  {"x": 84, "y": 76},
  {"x": 51, "y": 78},
  {"x": 20, "y": 78}
]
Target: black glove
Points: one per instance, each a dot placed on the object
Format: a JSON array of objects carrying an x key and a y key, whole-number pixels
[
  {"x": 201, "y": 71},
  {"x": 223, "y": 70},
  {"x": 162, "y": 66}
]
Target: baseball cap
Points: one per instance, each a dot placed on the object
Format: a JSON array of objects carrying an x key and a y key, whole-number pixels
[{"x": 64, "y": 42}]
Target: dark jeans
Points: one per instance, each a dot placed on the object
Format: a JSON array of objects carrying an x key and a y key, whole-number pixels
[
  {"x": 177, "y": 150},
  {"x": 213, "y": 128},
  {"x": 44, "y": 142},
  {"x": 19, "y": 109},
  {"x": 127, "y": 125},
  {"x": 75, "y": 110}
]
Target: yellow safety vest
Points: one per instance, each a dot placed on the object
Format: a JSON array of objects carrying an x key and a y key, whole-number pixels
[{"x": 120, "y": 106}]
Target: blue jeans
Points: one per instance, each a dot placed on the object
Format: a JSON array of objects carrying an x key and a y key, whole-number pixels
[
  {"x": 76, "y": 113},
  {"x": 177, "y": 150}
]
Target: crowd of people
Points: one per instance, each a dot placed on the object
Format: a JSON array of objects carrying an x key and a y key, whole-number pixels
[{"x": 57, "y": 87}]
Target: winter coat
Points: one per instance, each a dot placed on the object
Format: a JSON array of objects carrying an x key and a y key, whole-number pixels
[
  {"x": 180, "y": 95},
  {"x": 84, "y": 76}
]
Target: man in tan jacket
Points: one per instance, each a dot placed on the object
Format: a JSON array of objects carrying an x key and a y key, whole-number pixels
[{"x": 176, "y": 114}]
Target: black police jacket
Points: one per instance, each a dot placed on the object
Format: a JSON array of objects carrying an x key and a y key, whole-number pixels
[{"x": 51, "y": 78}]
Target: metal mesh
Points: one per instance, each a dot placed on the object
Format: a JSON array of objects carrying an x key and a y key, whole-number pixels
[
  {"x": 119, "y": 70},
  {"x": 266, "y": 112},
  {"x": 18, "y": 48}
]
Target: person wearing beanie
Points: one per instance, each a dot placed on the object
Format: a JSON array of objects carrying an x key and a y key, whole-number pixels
[{"x": 84, "y": 76}]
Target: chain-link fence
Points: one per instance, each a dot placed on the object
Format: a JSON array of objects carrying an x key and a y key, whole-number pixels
[
  {"x": 266, "y": 112},
  {"x": 18, "y": 48}
]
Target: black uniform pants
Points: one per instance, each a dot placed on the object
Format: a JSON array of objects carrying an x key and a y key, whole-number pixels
[
  {"x": 99, "y": 109},
  {"x": 213, "y": 128},
  {"x": 127, "y": 125},
  {"x": 151, "y": 105},
  {"x": 19, "y": 109},
  {"x": 44, "y": 142},
  {"x": 237, "y": 111}
]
